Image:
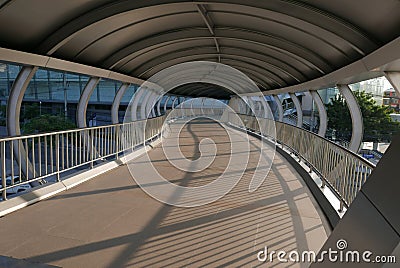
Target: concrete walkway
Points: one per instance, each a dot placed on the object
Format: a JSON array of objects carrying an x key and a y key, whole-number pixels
[{"x": 111, "y": 222}]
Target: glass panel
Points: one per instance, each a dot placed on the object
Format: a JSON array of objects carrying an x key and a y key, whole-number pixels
[
  {"x": 129, "y": 94},
  {"x": 41, "y": 81},
  {"x": 107, "y": 90},
  {"x": 73, "y": 87}
]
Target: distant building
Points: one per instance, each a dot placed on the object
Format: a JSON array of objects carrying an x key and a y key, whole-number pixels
[
  {"x": 391, "y": 99},
  {"x": 328, "y": 94},
  {"x": 373, "y": 86}
]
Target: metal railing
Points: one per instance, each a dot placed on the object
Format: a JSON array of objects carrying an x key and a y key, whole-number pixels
[
  {"x": 194, "y": 112},
  {"x": 340, "y": 169},
  {"x": 28, "y": 160}
]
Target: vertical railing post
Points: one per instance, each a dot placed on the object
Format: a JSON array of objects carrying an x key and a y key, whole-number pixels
[
  {"x": 91, "y": 137},
  {"x": 3, "y": 169},
  {"x": 117, "y": 142},
  {"x": 57, "y": 157}
]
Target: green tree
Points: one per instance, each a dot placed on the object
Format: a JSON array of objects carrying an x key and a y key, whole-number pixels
[
  {"x": 47, "y": 123},
  {"x": 29, "y": 111},
  {"x": 3, "y": 113},
  {"x": 378, "y": 125}
]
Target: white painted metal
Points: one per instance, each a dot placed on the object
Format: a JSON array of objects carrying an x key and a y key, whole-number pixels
[
  {"x": 356, "y": 118},
  {"x": 117, "y": 100},
  {"x": 84, "y": 100},
  {"x": 323, "y": 117}
]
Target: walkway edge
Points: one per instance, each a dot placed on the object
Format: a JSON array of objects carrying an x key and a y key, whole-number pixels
[
  {"x": 47, "y": 191},
  {"x": 326, "y": 207}
]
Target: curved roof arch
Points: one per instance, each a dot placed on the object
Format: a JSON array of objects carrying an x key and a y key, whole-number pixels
[{"x": 279, "y": 43}]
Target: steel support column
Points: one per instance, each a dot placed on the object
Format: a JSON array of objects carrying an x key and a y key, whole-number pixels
[
  {"x": 191, "y": 107},
  {"x": 356, "y": 117},
  {"x": 251, "y": 105},
  {"x": 182, "y": 107},
  {"x": 279, "y": 106},
  {"x": 84, "y": 100},
  {"x": 265, "y": 106},
  {"x": 143, "y": 104},
  {"x": 299, "y": 110},
  {"x": 135, "y": 103},
  {"x": 159, "y": 106},
  {"x": 166, "y": 103},
  {"x": 243, "y": 106},
  {"x": 236, "y": 104},
  {"x": 174, "y": 102},
  {"x": 13, "y": 116},
  {"x": 117, "y": 100},
  {"x": 152, "y": 105},
  {"x": 15, "y": 99},
  {"x": 323, "y": 117}
]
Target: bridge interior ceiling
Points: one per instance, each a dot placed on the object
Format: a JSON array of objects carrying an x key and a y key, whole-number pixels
[
  {"x": 277, "y": 43},
  {"x": 202, "y": 90}
]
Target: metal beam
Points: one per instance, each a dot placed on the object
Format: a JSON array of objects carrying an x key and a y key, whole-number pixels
[
  {"x": 14, "y": 102},
  {"x": 323, "y": 117},
  {"x": 207, "y": 20},
  {"x": 298, "y": 51},
  {"x": 280, "y": 108},
  {"x": 181, "y": 106},
  {"x": 31, "y": 59},
  {"x": 152, "y": 107},
  {"x": 287, "y": 63},
  {"x": 210, "y": 25},
  {"x": 159, "y": 106},
  {"x": 117, "y": 100},
  {"x": 135, "y": 103},
  {"x": 299, "y": 110},
  {"x": 104, "y": 12},
  {"x": 356, "y": 117},
  {"x": 265, "y": 107},
  {"x": 173, "y": 103},
  {"x": 202, "y": 105},
  {"x": 144, "y": 111},
  {"x": 15, "y": 99},
  {"x": 262, "y": 68},
  {"x": 84, "y": 100},
  {"x": 166, "y": 103},
  {"x": 160, "y": 63},
  {"x": 191, "y": 106}
]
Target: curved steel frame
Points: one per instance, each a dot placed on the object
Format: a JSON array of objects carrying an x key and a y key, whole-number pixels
[
  {"x": 323, "y": 117},
  {"x": 166, "y": 103},
  {"x": 135, "y": 103},
  {"x": 356, "y": 118},
  {"x": 299, "y": 110},
  {"x": 279, "y": 106},
  {"x": 15, "y": 99},
  {"x": 84, "y": 100},
  {"x": 117, "y": 100},
  {"x": 13, "y": 117}
]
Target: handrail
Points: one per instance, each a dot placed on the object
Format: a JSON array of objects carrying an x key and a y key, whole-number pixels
[
  {"x": 30, "y": 136},
  {"x": 341, "y": 170},
  {"x": 33, "y": 158}
]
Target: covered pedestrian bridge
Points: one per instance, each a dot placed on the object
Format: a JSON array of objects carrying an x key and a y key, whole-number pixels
[{"x": 200, "y": 168}]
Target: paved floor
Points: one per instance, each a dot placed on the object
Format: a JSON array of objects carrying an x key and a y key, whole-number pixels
[{"x": 111, "y": 222}]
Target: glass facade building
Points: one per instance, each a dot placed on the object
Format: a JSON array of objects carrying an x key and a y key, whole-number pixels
[{"x": 51, "y": 90}]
